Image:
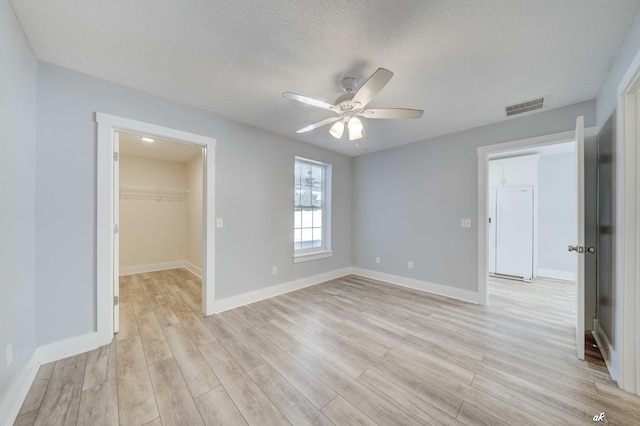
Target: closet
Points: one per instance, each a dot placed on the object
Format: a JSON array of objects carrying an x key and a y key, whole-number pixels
[
  {"x": 511, "y": 213},
  {"x": 160, "y": 205}
]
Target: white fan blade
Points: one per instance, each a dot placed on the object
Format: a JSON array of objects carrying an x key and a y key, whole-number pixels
[
  {"x": 372, "y": 86},
  {"x": 392, "y": 113},
  {"x": 318, "y": 124},
  {"x": 308, "y": 101}
]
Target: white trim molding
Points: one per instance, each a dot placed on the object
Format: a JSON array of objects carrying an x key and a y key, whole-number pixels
[
  {"x": 105, "y": 263},
  {"x": 141, "y": 269},
  {"x": 427, "y": 287},
  {"x": 278, "y": 289},
  {"x": 627, "y": 239},
  {"x": 17, "y": 391},
  {"x": 193, "y": 269},
  {"x": 605, "y": 347},
  {"x": 305, "y": 257},
  {"x": 484, "y": 154},
  {"x": 556, "y": 274},
  {"x": 19, "y": 388},
  {"x": 69, "y": 347}
]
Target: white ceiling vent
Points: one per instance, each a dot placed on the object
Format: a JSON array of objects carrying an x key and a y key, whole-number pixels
[{"x": 527, "y": 106}]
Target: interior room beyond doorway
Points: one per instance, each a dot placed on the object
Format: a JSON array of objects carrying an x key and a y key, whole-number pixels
[
  {"x": 532, "y": 199},
  {"x": 160, "y": 206}
]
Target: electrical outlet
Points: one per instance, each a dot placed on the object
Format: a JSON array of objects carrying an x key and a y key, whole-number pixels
[
  {"x": 377, "y": 259},
  {"x": 274, "y": 270},
  {"x": 219, "y": 222},
  {"x": 465, "y": 223},
  {"x": 410, "y": 264},
  {"x": 9, "y": 353}
]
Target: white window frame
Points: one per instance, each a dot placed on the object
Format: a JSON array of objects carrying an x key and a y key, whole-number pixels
[{"x": 304, "y": 255}]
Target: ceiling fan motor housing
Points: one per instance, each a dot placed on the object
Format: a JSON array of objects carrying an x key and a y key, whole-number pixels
[
  {"x": 349, "y": 84},
  {"x": 343, "y": 103}
]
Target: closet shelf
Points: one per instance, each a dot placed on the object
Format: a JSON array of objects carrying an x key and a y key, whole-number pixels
[{"x": 157, "y": 193}]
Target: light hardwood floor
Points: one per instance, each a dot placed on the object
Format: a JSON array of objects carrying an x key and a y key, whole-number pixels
[{"x": 348, "y": 351}]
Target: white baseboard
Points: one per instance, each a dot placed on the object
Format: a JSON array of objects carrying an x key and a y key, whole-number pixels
[
  {"x": 557, "y": 275},
  {"x": 193, "y": 269},
  {"x": 442, "y": 290},
  {"x": 17, "y": 391},
  {"x": 276, "y": 290},
  {"x": 604, "y": 345},
  {"x": 70, "y": 347},
  {"x": 130, "y": 270}
]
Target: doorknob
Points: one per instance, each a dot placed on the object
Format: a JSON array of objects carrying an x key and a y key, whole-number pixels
[{"x": 582, "y": 249}]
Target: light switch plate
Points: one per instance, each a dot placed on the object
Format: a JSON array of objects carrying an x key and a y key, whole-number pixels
[{"x": 219, "y": 223}]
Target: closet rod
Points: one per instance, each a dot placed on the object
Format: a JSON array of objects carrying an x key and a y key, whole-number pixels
[{"x": 154, "y": 189}]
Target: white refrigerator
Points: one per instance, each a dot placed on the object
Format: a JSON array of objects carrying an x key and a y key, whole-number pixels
[{"x": 511, "y": 231}]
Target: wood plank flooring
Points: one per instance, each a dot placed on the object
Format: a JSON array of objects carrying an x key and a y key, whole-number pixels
[{"x": 348, "y": 351}]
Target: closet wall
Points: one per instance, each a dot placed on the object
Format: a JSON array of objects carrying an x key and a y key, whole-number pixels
[{"x": 159, "y": 230}]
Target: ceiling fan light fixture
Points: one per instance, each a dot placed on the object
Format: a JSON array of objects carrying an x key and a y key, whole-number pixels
[
  {"x": 337, "y": 129},
  {"x": 355, "y": 126},
  {"x": 356, "y": 136}
]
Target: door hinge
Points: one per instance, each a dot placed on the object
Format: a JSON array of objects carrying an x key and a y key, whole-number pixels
[
  {"x": 116, "y": 229},
  {"x": 116, "y": 156},
  {"x": 116, "y": 300}
]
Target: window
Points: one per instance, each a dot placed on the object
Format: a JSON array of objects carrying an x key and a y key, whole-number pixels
[{"x": 311, "y": 210}]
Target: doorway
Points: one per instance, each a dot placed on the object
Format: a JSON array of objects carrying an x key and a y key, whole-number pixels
[
  {"x": 159, "y": 215},
  {"x": 493, "y": 151},
  {"x": 160, "y": 204},
  {"x": 106, "y": 225}
]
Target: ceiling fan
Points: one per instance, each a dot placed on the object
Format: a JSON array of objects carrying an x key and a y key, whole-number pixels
[{"x": 351, "y": 105}]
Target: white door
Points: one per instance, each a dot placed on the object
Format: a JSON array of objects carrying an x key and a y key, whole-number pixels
[
  {"x": 514, "y": 231},
  {"x": 116, "y": 233},
  {"x": 580, "y": 248}
]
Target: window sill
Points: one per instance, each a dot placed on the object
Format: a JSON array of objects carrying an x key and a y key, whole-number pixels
[{"x": 306, "y": 257}]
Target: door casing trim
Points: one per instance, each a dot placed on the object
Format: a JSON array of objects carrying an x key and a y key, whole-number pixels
[{"x": 106, "y": 126}]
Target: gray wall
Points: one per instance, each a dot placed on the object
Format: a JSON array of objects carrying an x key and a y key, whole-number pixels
[
  {"x": 254, "y": 195},
  {"x": 17, "y": 174},
  {"x": 410, "y": 199},
  {"x": 557, "y": 214},
  {"x": 607, "y": 101}
]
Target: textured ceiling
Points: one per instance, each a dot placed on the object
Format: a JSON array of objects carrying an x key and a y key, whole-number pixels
[{"x": 462, "y": 61}]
